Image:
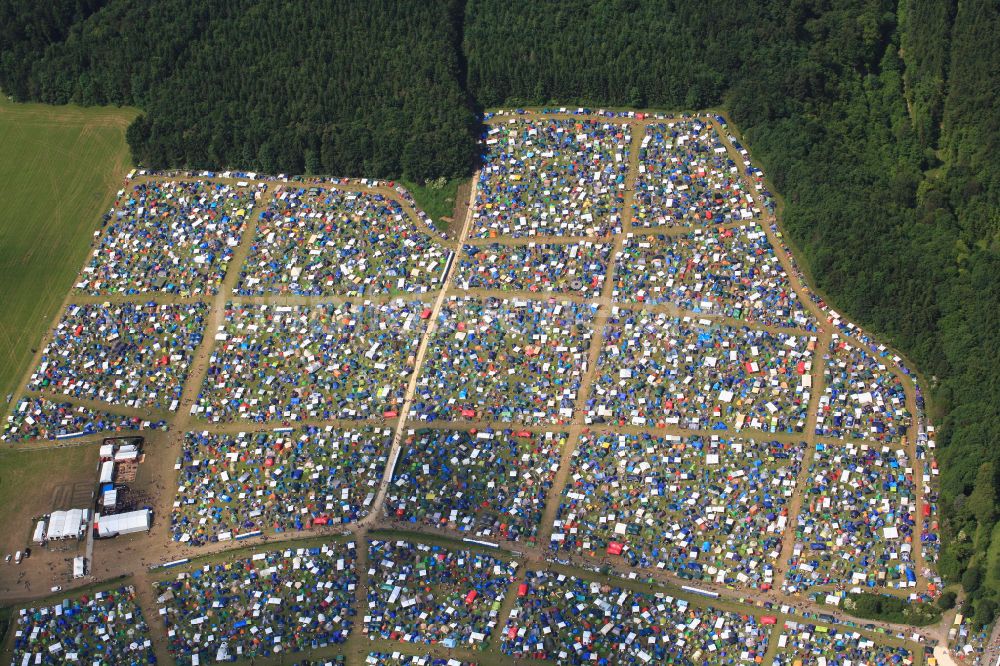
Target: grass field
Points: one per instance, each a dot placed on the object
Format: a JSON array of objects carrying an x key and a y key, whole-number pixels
[
  {"x": 59, "y": 169},
  {"x": 438, "y": 202},
  {"x": 32, "y": 482}
]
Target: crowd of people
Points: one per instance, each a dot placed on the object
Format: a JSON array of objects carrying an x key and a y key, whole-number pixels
[
  {"x": 564, "y": 268},
  {"x": 275, "y": 481},
  {"x": 855, "y": 527},
  {"x": 504, "y": 360},
  {"x": 549, "y": 177},
  {"x": 268, "y": 604},
  {"x": 491, "y": 483},
  {"x": 714, "y": 270},
  {"x": 104, "y": 627},
  {"x": 173, "y": 237},
  {"x": 128, "y": 354},
  {"x": 286, "y": 363},
  {"x": 429, "y": 594},
  {"x": 656, "y": 370},
  {"x": 711, "y": 509},
  {"x": 571, "y": 620},
  {"x": 318, "y": 242}
]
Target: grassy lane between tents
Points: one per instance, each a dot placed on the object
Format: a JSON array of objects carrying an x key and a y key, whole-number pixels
[{"x": 59, "y": 169}]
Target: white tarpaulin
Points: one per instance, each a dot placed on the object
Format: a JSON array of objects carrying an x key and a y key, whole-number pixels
[{"x": 124, "y": 523}]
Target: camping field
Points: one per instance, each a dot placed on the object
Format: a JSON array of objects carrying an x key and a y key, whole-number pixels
[
  {"x": 59, "y": 168},
  {"x": 609, "y": 389}
]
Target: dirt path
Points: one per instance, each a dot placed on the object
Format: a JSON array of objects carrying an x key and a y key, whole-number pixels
[
  {"x": 158, "y": 547},
  {"x": 183, "y": 420},
  {"x": 801, "y": 483},
  {"x": 576, "y": 429},
  {"x": 411, "y": 387},
  {"x": 510, "y": 241},
  {"x": 146, "y": 599},
  {"x": 919, "y": 562}
]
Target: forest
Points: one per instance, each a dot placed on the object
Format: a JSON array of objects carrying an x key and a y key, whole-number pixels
[
  {"x": 294, "y": 86},
  {"x": 875, "y": 119}
]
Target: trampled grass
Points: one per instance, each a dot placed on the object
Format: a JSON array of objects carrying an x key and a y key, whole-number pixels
[{"x": 33, "y": 483}]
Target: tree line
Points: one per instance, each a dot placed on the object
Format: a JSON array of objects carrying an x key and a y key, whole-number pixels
[
  {"x": 295, "y": 86},
  {"x": 875, "y": 120}
]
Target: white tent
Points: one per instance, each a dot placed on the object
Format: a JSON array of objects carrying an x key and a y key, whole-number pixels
[
  {"x": 39, "y": 535},
  {"x": 124, "y": 523},
  {"x": 79, "y": 568},
  {"x": 107, "y": 471},
  {"x": 127, "y": 452},
  {"x": 73, "y": 524},
  {"x": 56, "y": 522}
]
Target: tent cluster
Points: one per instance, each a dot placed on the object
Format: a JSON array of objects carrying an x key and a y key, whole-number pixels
[
  {"x": 60, "y": 525},
  {"x": 41, "y": 418},
  {"x": 578, "y": 111},
  {"x": 505, "y": 360},
  {"x": 855, "y": 527},
  {"x": 233, "y": 484},
  {"x": 123, "y": 354},
  {"x": 930, "y": 544},
  {"x": 420, "y": 593},
  {"x": 574, "y": 268},
  {"x": 491, "y": 483},
  {"x": 272, "y": 603},
  {"x": 551, "y": 177},
  {"x": 863, "y": 399},
  {"x": 805, "y": 643},
  {"x": 100, "y": 628},
  {"x": 319, "y": 242},
  {"x": 722, "y": 271},
  {"x": 968, "y": 642},
  {"x": 710, "y": 509},
  {"x": 349, "y": 361},
  {"x": 400, "y": 659},
  {"x": 657, "y": 370},
  {"x": 174, "y": 237},
  {"x": 686, "y": 178},
  {"x": 575, "y": 621}
]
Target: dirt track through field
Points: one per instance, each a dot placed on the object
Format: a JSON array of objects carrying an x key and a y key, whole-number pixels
[{"x": 158, "y": 547}]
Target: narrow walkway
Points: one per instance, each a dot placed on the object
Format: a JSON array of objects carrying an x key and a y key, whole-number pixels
[
  {"x": 590, "y": 370},
  {"x": 539, "y": 554}
]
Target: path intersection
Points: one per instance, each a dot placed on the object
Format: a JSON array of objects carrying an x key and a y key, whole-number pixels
[{"x": 607, "y": 423}]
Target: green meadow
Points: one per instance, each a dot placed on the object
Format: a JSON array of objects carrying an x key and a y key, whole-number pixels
[{"x": 60, "y": 167}]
